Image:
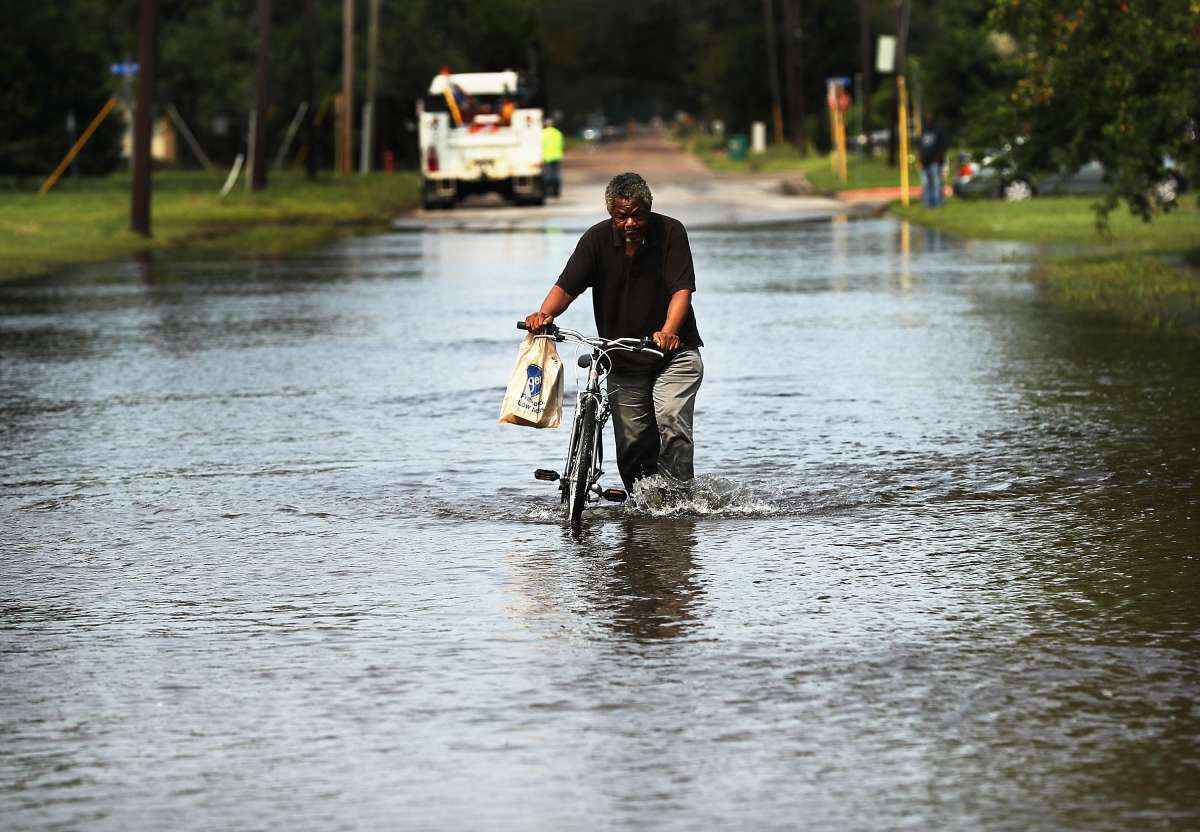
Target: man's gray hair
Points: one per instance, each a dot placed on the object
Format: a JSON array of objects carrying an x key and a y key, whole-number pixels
[{"x": 627, "y": 186}]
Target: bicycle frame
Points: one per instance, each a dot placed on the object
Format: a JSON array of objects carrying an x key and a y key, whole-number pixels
[
  {"x": 599, "y": 366},
  {"x": 595, "y": 389}
]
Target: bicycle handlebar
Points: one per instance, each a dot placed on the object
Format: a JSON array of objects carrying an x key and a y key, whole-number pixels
[
  {"x": 551, "y": 329},
  {"x": 644, "y": 344}
]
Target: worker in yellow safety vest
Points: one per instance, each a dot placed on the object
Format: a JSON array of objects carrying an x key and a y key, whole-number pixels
[{"x": 552, "y": 154}]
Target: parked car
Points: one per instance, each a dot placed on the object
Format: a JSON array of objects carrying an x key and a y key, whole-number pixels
[
  {"x": 596, "y": 128},
  {"x": 602, "y": 132},
  {"x": 995, "y": 176},
  {"x": 877, "y": 139},
  {"x": 613, "y": 132}
]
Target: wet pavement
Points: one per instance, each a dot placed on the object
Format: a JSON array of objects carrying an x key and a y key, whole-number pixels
[
  {"x": 698, "y": 197},
  {"x": 270, "y": 562}
]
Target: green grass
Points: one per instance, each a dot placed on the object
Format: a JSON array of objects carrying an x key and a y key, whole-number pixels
[
  {"x": 1068, "y": 220},
  {"x": 88, "y": 220},
  {"x": 861, "y": 172},
  {"x": 1138, "y": 290},
  {"x": 1138, "y": 274}
]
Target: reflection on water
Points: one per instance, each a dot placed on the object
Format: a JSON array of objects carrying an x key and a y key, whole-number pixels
[
  {"x": 650, "y": 588},
  {"x": 270, "y": 562},
  {"x": 634, "y": 578}
]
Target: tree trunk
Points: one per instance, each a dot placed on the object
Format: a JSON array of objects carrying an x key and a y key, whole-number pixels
[
  {"x": 346, "y": 137},
  {"x": 864, "y": 53},
  {"x": 793, "y": 52},
  {"x": 310, "y": 115},
  {"x": 367, "y": 162},
  {"x": 258, "y": 165},
  {"x": 773, "y": 69}
]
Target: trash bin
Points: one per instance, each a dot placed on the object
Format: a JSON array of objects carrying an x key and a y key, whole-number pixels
[{"x": 737, "y": 147}]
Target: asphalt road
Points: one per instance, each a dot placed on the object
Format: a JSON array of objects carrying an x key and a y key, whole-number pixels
[{"x": 683, "y": 188}]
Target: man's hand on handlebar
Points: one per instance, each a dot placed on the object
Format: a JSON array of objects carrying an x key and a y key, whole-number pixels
[
  {"x": 665, "y": 341},
  {"x": 538, "y": 321}
]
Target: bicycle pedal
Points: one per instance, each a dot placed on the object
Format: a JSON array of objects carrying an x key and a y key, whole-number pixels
[
  {"x": 545, "y": 474},
  {"x": 616, "y": 495}
]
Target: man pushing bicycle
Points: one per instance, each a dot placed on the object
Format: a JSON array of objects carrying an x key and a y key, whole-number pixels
[{"x": 639, "y": 268}]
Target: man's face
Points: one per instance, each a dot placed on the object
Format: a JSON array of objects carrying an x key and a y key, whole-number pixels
[{"x": 631, "y": 218}]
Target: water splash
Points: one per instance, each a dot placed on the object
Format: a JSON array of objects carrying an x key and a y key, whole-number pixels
[
  {"x": 707, "y": 495},
  {"x": 545, "y": 513}
]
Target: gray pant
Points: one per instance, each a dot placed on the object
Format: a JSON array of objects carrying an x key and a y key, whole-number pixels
[
  {"x": 552, "y": 178},
  {"x": 652, "y": 418}
]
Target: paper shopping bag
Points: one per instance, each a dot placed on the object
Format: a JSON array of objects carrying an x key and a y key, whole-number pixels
[{"x": 535, "y": 388}]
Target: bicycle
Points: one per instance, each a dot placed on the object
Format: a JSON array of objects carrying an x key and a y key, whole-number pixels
[{"x": 585, "y": 448}]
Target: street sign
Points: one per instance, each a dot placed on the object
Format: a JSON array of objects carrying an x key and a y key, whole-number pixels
[
  {"x": 835, "y": 92},
  {"x": 125, "y": 68},
  {"x": 885, "y": 54}
]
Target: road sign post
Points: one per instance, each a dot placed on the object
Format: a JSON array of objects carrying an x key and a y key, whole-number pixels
[{"x": 838, "y": 101}]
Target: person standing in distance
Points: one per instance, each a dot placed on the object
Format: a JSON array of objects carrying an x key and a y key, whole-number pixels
[
  {"x": 639, "y": 268},
  {"x": 552, "y": 155},
  {"x": 931, "y": 152}
]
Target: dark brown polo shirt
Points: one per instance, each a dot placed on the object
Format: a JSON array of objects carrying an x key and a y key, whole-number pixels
[{"x": 630, "y": 295}]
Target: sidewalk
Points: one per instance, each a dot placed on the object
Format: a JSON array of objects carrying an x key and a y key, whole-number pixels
[
  {"x": 880, "y": 198},
  {"x": 883, "y": 195}
]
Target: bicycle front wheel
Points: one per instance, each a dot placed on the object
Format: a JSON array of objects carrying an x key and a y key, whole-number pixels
[{"x": 579, "y": 466}]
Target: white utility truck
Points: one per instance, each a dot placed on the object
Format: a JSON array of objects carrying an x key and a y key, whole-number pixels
[{"x": 476, "y": 136}]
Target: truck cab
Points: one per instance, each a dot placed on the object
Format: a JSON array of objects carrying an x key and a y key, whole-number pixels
[{"x": 477, "y": 135}]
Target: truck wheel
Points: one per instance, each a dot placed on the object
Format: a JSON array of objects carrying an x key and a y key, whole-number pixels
[
  {"x": 538, "y": 197},
  {"x": 530, "y": 197},
  {"x": 430, "y": 202}
]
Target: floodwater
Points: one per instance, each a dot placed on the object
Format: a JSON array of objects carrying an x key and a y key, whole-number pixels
[{"x": 269, "y": 562}]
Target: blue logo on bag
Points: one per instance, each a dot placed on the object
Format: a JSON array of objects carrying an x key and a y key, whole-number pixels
[{"x": 532, "y": 397}]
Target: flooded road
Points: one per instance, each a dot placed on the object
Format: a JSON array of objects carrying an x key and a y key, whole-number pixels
[{"x": 269, "y": 562}]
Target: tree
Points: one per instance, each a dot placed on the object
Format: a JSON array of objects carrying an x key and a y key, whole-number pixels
[
  {"x": 41, "y": 39},
  {"x": 704, "y": 57},
  {"x": 1116, "y": 81},
  {"x": 962, "y": 75}
]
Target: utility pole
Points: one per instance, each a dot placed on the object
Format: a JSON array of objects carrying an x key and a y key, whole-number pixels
[
  {"x": 793, "y": 52},
  {"x": 347, "y": 125},
  {"x": 258, "y": 159},
  {"x": 139, "y": 215},
  {"x": 864, "y": 56},
  {"x": 902, "y": 13},
  {"x": 773, "y": 70},
  {"x": 367, "y": 156}
]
